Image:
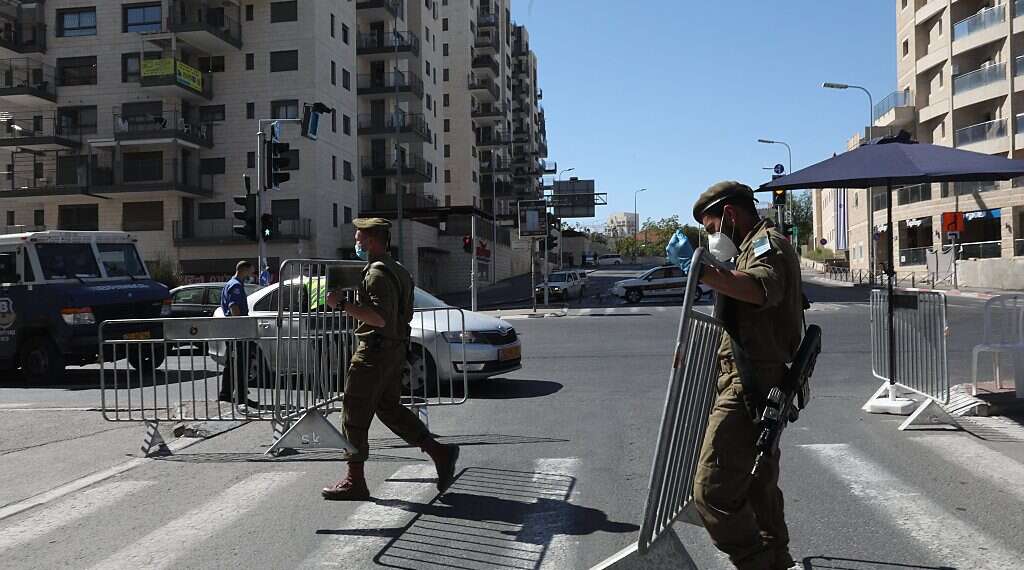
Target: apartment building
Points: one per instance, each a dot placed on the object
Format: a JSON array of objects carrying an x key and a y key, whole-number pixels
[
  {"x": 143, "y": 117},
  {"x": 621, "y": 224},
  {"x": 529, "y": 134},
  {"x": 960, "y": 75}
]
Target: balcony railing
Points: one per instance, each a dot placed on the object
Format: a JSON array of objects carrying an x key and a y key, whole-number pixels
[
  {"x": 383, "y": 42},
  {"x": 485, "y": 84},
  {"x": 979, "y": 77},
  {"x": 394, "y": 7},
  {"x": 24, "y": 76},
  {"x": 373, "y": 202},
  {"x": 384, "y": 164},
  {"x": 484, "y": 20},
  {"x": 980, "y": 250},
  {"x": 162, "y": 125},
  {"x": 171, "y": 72},
  {"x": 28, "y": 131},
  {"x": 891, "y": 101},
  {"x": 105, "y": 176},
  {"x": 982, "y": 20},
  {"x": 485, "y": 42},
  {"x": 914, "y": 256},
  {"x": 416, "y": 123},
  {"x": 22, "y": 37},
  {"x": 981, "y": 132},
  {"x": 384, "y": 83},
  {"x": 487, "y": 112},
  {"x": 493, "y": 138},
  {"x": 199, "y": 16},
  {"x": 486, "y": 62}
]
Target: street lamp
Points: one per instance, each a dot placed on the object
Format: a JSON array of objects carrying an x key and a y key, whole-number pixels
[
  {"x": 636, "y": 215},
  {"x": 559, "y": 177},
  {"x": 871, "y": 203}
]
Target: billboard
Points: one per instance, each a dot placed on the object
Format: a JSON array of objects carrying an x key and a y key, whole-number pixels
[
  {"x": 573, "y": 198},
  {"x": 532, "y": 219}
]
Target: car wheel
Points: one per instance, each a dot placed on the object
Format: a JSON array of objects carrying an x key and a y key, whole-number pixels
[
  {"x": 145, "y": 358},
  {"x": 634, "y": 296},
  {"x": 41, "y": 361},
  {"x": 257, "y": 373},
  {"x": 420, "y": 378}
]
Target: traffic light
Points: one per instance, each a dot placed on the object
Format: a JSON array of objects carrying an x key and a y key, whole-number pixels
[
  {"x": 277, "y": 163},
  {"x": 778, "y": 197},
  {"x": 268, "y": 227},
  {"x": 467, "y": 244},
  {"x": 245, "y": 216},
  {"x": 552, "y": 242}
]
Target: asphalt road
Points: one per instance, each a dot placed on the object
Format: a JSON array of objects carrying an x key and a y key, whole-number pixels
[{"x": 553, "y": 474}]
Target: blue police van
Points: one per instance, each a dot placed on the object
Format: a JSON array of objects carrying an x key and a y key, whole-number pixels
[{"x": 56, "y": 287}]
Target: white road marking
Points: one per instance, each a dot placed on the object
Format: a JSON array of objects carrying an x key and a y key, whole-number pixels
[
  {"x": 634, "y": 310},
  {"x": 160, "y": 548},
  {"x": 585, "y": 311},
  {"x": 562, "y": 549},
  {"x": 341, "y": 550},
  {"x": 954, "y": 542},
  {"x": 1001, "y": 471},
  {"x": 59, "y": 515},
  {"x": 609, "y": 311}
]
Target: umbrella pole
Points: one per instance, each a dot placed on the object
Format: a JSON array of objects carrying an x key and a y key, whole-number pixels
[{"x": 891, "y": 272}]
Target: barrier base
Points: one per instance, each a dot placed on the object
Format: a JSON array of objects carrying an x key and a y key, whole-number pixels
[
  {"x": 930, "y": 413},
  {"x": 312, "y": 431},
  {"x": 154, "y": 444},
  {"x": 890, "y": 403},
  {"x": 689, "y": 515},
  {"x": 666, "y": 552}
]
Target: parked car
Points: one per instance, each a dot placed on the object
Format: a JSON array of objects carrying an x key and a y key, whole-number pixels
[
  {"x": 442, "y": 346},
  {"x": 199, "y": 300},
  {"x": 581, "y": 276},
  {"x": 609, "y": 259},
  {"x": 561, "y": 285},
  {"x": 663, "y": 281}
]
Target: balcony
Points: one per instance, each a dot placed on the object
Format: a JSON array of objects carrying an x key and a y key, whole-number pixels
[
  {"x": 172, "y": 78},
  {"x": 221, "y": 232},
  {"x": 488, "y": 113},
  {"x": 414, "y": 168},
  {"x": 492, "y": 138},
  {"x": 162, "y": 128},
  {"x": 496, "y": 165},
  {"x": 409, "y": 127},
  {"x": 486, "y": 19},
  {"x": 979, "y": 133},
  {"x": 379, "y": 9},
  {"x": 548, "y": 167},
  {"x": 485, "y": 90},
  {"x": 983, "y": 20},
  {"x": 39, "y": 133},
  {"x": 979, "y": 78},
  {"x": 371, "y": 202},
  {"x": 486, "y": 44},
  {"x": 389, "y": 83},
  {"x": 108, "y": 176},
  {"x": 205, "y": 26},
  {"x": 381, "y": 45},
  {"x": 896, "y": 109},
  {"x": 27, "y": 83},
  {"x": 22, "y": 37},
  {"x": 486, "y": 63}
]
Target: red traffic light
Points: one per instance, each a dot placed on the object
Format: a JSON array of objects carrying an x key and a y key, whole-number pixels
[{"x": 467, "y": 244}]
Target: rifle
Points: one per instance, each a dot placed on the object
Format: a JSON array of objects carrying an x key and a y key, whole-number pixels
[{"x": 779, "y": 408}]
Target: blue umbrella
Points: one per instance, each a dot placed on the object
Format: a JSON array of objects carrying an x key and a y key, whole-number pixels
[{"x": 897, "y": 160}]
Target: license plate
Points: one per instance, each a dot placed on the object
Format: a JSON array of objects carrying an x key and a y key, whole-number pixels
[
  {"x": 143, "y": 335},
  {"x": 510, "y": 353}
]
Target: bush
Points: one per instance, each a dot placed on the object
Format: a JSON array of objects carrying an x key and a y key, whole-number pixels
[
  {"x": 164, "y": 272},
  {"x": 820, "y": 254}
]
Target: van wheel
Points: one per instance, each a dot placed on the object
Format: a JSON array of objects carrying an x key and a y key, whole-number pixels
[
  {"x": 633, "y": 296},
  {"x": 41, "y": 361},
  {"x": 146, "y": 358}
]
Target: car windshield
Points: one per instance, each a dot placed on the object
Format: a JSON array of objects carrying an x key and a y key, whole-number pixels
[
  {"x": 67, "y": 260},
  {"x": 558, "y": 278},
  {"x": 121, "y": 260},
  {"x": 424, "y": 300}
]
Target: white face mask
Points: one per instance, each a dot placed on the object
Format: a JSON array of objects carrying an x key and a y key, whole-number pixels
[{"x": 721, "y": 246}]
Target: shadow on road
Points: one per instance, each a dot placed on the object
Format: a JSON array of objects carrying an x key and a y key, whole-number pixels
[
  {"x": 829, "y": 563},
  {"x": 300, "y": 457},
  {"x": 825, "y": 294},
  {"x": 469, "y": 440},
  {"x": 89, "y": 379},
  {"x": 497, "y": 517},
  {"x": 512, "y": 389}
]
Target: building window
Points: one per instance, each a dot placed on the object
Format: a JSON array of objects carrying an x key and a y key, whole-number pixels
[
  {"x": 346, "y": 172},
  {"x": 76, "y": 70},
  {"x": 474, "y": 176},
  {"x": 250, "y": 110},
  {"x": 334, "y": 122},
  {"x": 285, "y": 209},
  {"x": 211, "y": 211},
  {"x": 344, "y": 33},
  {"x": 284, "y": 60},
  {"x": 137, "y": 18},
  {"x": 334, "y": 214},
  {"x": 284, "y": 12},
  {"x": 38, "y": 218},
  {"x": 131, "y": 69},
  {"x": 76, "y": 22},
  {"x": 348, "y": 215},
  {"x": 142, "y": 166},
  {"x": 346, "y": 79},
  {"x": 332, "y": 25},
  {"x": 346, "y": 124},
  {"x": 77, "y": 120},
  {"x": 444, "y": 50},
  {"x": 80, "y": 217},
  {"x": 913, "y": 194},
  {"x": 212, "y": 166},
  {"x": 906, "y": 48},
  {"x": 214, "y": 64},
  {"x": 250, "y": 159},
  {"x": 211, "y": 113},
  {"x": 250, "y": 61},
  {"x": 447, "y": 125},
  {"x": 334, "y": 73},
  {"x": 10, "y": 217},
  {"x": 444, "y": 24},
  {"x": 447, "y": 151},
  {"x": 447, "y": 176},
  {"x": 249, "y": 13},
  {"x": 284, "y": 109},
  {"x": 445, "y": 74},
  {"x": 334, "y": 167},
  {"x": 429, "y": 101},
  {"x": 142, "y": 216},
  {"x": 446, "y": 100}
]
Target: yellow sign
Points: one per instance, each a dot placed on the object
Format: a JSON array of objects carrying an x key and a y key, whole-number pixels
[
  {"x": 186, "y": 75},
  {"x": 157, "y": 67},
  {"x": 190, "y": 77}
]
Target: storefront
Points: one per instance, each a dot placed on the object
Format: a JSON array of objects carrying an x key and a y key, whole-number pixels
[{"x": 981, "y": 236}]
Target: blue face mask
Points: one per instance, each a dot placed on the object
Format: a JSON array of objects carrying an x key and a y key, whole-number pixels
[
  {"x": 679, "y": 251},
  {"x": 361, "y": 253}
]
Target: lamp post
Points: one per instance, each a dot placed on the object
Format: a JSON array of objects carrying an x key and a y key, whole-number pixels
[
  {"x": 789, "y": 153},
  {"x": 871, "y": 203},
  {"x": 636, "y": 216}
]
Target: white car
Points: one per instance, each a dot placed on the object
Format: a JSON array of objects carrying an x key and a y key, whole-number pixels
[
  {"x": 482, "y": 346},
  {"x": 664, "y": 281},
  {"x": 609, "y": 259},
  {"x": 563, "y": 285}
]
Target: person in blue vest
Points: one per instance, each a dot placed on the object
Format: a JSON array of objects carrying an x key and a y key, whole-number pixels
[{"x": 234, "y": 385}]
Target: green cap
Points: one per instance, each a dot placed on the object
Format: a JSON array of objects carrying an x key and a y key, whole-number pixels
[
  {"x": 371, "y": 224},
  {"x": 719, "y": 192}
]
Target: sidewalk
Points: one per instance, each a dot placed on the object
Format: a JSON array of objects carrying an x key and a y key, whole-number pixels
[
  {"x": 813, "y": 275},
  {"x": 513, "y": 290}
]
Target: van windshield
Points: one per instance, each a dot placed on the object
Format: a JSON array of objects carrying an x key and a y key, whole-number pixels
[
  {"x": 121, "y": 260},
  {"x": 558, "y": 277},
  {"x": 67, "y": 260}
]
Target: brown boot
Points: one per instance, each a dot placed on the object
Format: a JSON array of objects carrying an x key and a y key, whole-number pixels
[
  {"x": 445, "y": 457},
  {"x": 351, "y": 488}
]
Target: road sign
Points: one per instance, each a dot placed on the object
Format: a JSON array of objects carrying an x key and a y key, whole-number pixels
[
  {"x": 779, "y": 169},
  {"x": 953, "y": 222},
  {"x": 953, "y": 236},
  {"x": 823, "y": 241},
  {"x": 533, "y": 219}
]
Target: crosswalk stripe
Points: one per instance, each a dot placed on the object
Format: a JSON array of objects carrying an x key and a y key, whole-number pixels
[
  {"x": 953, "y": 541},
  {"x": 562, "y": 549},
  {"x": 998, "y": 469},
  {"x": 609, "y": 311},
  {"x": 339, "y": 550},
  {"x": 634, "y": 309},
  {"x": 585, "y": 311},
  {"x": 66, "y": 512},
  {"x": 152, "y": 550}
]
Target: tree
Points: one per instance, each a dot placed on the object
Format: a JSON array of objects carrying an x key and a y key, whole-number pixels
[
  {"x": 657, "y": 234},
  {"x": 803, "y": 215}
]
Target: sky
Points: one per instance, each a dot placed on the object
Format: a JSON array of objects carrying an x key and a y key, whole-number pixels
[{"x": 672, "y": 95}]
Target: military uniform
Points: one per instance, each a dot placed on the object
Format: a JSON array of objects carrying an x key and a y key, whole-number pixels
[
  {"x": 745, "y": 515},
  {"x": 374, "y": 381}
]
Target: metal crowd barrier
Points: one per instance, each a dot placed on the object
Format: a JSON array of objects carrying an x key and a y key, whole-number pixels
[{"x": 921, "y": 357}]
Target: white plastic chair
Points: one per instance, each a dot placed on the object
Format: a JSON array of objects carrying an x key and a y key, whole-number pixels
[{"x": 1004, "y": 333}]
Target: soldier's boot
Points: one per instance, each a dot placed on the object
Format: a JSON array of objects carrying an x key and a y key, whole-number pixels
[
  {"x": 445, "y": 458},
  {"x": 351, "y": 488}
]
